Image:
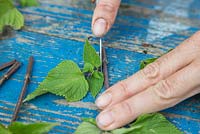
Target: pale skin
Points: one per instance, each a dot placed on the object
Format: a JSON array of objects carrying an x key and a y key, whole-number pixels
[{"x": 171, "y": 79}]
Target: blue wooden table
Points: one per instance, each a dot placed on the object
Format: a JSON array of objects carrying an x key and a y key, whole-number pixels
[{"x": 56, "y": 31}]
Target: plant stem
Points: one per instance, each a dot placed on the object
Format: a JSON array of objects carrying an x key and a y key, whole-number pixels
[
  {"x": 8, "y": 64},
  {"x": 26, "y": 82},
  {"x": 11, "y": 71},
  {"x": 105, "y": 68}
]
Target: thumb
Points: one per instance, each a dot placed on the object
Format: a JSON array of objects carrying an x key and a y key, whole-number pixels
[{"x": 104, "y": 16}]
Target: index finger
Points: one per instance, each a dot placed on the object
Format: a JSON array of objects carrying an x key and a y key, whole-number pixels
[{"x": 104, "y": 16}]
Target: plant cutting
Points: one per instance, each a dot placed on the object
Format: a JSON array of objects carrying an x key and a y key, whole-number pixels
[{"x": 71, "y": 82}]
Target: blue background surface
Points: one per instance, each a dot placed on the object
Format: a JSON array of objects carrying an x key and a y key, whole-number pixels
[{"x": 56, "y": 31}]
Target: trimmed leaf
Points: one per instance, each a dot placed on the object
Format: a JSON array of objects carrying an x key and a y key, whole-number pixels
[
  {"x": 90, "y": 55},
  {"x": 4, "y": 130},
  {"x": 88, "y": 68},
  {"x": 95, "y": 82},
  {"x": 66, "y": 80},
  {"x": 29, "y": 3},
  {"x": 144, "y": 63},
  {"x": 36, "y": 128},
  {"x": 10, "y": 16}
]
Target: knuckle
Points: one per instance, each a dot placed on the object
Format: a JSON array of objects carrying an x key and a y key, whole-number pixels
[
  {"x": 151, "y": 72},
  {"x": 163, "y": 95},
  {"x": 127, "y": 108},
  {"x": 124, "y": 88},
  {"x": 163, "y": 90},
  {"x": 107, "y": 6}
]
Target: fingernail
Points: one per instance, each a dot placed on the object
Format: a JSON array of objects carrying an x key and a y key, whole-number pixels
[
  {"x": 99, "y": 27},
  {"x": 105, "y": 119},
  {"x": 104, "y": 100}
]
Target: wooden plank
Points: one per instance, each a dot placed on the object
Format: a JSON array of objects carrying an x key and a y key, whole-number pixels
[
  {"x": 135, "y": 24},
  {"x": 56, "y": 31},
  {"x": 48, "y": 52}
]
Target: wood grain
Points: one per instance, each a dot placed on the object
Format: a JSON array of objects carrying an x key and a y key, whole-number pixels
[{"x": 56, "y": 30}]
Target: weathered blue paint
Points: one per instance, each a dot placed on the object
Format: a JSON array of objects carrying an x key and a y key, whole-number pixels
[{"x": 56, "y": 31}]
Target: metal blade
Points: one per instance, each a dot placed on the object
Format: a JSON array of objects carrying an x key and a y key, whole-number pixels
[{"x": 100, "y": 51}]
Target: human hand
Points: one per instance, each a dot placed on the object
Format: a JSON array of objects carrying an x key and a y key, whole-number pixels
[
  {"x": 162, "y": 84},
  {"x": 104, "y": 16}
]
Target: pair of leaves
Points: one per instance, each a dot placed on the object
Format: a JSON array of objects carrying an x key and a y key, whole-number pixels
[
  {"x": 92, "y": 63},
  {"x": 20, "y": 128},
  {"x": 90, "y": 56},
  {"x": 10, "y": 16},
  {"x": 154, "y": 123},
  {"x": 67, "y": 80}
]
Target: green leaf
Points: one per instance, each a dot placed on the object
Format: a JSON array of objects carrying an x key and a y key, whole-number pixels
[
  {"x": 90, "y": 120},
  {"x": 154, "y": 123},
  {"x": 88, "y": 68},
  {"x": 95, "y": 82},
  {"x": 10, "y": 16},
  {"x": 90, "y": 55},
  {"x": 124, "y": 130},
  {"x": 144, "y": 63},
  {"x": 36, "y": 128},
  {"x": 29, "y": 3},
  {"x": 65, "y": 80},
  {"x": 4, "y": 130},
  {"x": 35, "y": 94},
  {"x": 87, "y": 128}
]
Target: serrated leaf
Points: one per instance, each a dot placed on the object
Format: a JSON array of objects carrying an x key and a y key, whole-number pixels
[
  {"x": 36, "y": 128},
  {"x": 90, "y": 55},
  {"x": 66, "y": 80},
  {"x": 95, "y": 82},
  {"x": 4, "y": 130},
  {"x": 88, "y": 68},
  {"x": 29, "y": 3},
  {"x": 35, "y": 94},
  {"x": 154, "y": 123},
  {"x": 10, "y": 16},
  {"x": 145, "y": 62}
]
